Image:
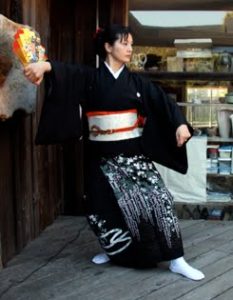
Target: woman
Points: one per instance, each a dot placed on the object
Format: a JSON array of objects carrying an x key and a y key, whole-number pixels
[{"x": 130, "y": 122}]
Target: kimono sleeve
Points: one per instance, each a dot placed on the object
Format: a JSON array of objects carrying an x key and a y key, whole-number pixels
[
  {"x": 159, "y": 136},
  {"x": 167, "y": 107},
  {"x": 60, "y": 116}
]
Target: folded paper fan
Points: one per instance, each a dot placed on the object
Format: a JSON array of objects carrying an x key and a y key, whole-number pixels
[{"x": 27, "y": 46}]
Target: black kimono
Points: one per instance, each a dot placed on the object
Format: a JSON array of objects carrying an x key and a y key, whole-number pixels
[{"x": 129, "y": 208}]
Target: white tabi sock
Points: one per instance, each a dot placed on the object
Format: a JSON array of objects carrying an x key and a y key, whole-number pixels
[
  {"x": 180, "y": 266},
  {"x": 100, "y": 258}
]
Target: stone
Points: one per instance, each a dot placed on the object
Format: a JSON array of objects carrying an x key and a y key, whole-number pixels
[{"x": 16, "y": 92}]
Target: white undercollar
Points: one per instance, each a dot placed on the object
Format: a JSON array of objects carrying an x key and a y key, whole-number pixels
[{"x": 114, "y": 74}]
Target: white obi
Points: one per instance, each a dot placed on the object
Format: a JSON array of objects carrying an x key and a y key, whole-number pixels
[{"x": 114, "y": 125}]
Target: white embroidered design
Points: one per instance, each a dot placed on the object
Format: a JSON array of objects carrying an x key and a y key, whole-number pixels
[
  {"x": 142, "y": 195},
  {"x": 116, "y": 236},
  {"x": 114, "y": 241}
]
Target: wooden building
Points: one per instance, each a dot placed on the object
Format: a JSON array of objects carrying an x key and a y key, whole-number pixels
[{"x": 37, "y": 183}]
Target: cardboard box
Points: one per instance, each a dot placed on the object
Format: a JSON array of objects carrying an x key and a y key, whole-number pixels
[
  {"x": 193, "y": 43},
  {"x": 175, "y": 64}
]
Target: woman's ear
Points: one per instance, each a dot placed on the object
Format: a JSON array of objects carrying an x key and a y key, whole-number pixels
[{"x": 108, "y": 48}]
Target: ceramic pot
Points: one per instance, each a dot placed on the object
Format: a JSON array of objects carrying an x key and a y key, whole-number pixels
[
  {"x": 224, "y": 62},
  {"x": 229, "y": 97},
  {"x": 231, "y": 118},
  {"x": 224, "y": 122}
]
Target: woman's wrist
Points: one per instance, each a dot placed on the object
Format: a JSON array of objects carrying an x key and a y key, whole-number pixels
[{"x": 47, "y": 66}]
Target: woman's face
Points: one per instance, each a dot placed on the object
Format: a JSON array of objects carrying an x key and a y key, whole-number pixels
[{"x": 121, "y": 50}]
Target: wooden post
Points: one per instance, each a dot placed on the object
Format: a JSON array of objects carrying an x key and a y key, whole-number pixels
[
  {"x": 119, "y": 11},
  {"x": 114, "y": 11},
  {"x": 0, "y": 253}
]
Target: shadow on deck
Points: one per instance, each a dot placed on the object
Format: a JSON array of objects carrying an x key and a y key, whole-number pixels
[{"x": 57, "y": 266}]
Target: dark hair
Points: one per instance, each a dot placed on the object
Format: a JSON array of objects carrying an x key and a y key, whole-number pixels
[{"x": 109, "y": 34}]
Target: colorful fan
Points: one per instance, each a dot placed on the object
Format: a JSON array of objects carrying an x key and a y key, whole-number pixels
[{"x": 27, "y": 46}]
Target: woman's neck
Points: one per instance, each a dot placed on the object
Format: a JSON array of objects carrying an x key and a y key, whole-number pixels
[{"x": 113, "y": 64}]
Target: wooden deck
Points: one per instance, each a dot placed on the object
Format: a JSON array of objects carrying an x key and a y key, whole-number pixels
[{"x": 57, "y": 266}]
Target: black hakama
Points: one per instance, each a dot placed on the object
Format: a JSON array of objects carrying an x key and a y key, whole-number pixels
[{"x": 133, "y": 213}]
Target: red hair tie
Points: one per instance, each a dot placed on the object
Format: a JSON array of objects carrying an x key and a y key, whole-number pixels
[{"x": 98, "y": 30}]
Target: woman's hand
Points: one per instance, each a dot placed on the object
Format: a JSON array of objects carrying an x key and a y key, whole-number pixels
[
  {"x": 34, "y": 72},
  {"x": 182, "y": 134}
]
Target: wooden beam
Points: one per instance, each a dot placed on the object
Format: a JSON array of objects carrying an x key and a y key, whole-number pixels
[{"x": 180, "y": 5}]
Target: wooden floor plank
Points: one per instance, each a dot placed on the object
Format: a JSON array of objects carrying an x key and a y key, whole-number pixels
[
  {"x": 227, "y": 295},
  {"x": 187, "y": 223},
  {"x": 204, "y": 242},
  {"x": 57, "y": 265},
  {"x": 204, "y": 229},
  {"x": 182, "y": 287},
  {"x": 212, "y": 288}
]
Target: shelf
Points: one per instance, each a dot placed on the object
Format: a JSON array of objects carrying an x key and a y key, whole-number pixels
[
  {"x": 218, "y": 175},
  {"x": 210, "y": 76},
  {"x": 219, "y": 196},
  {"x": 208, "y": 202},
  {"x": 221, "y": 105},
  {"x": 219, "y": 139},
  {"x": 217, "y": 201}
]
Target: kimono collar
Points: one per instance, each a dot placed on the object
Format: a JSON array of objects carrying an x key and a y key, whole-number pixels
[{"x": 114, "y": 74}]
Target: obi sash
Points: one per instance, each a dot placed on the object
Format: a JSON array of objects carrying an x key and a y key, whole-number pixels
[{"x": 114, "y": 125}]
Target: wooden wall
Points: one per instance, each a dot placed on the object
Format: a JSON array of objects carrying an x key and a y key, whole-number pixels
[
  {"x": 36, "y": 182},
  {"x": 31, "y": 183}
]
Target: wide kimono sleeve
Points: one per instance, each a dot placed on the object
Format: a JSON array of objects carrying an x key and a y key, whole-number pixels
[
  {"x": 60, "y": 117},
  {"x": 163, "y": 117}
]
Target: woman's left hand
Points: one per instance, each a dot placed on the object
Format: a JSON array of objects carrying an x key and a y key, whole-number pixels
[{"x": 182, "y": 134}]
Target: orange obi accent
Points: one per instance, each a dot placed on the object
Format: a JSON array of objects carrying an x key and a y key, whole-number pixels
[{"x": 114, "y": 125}]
